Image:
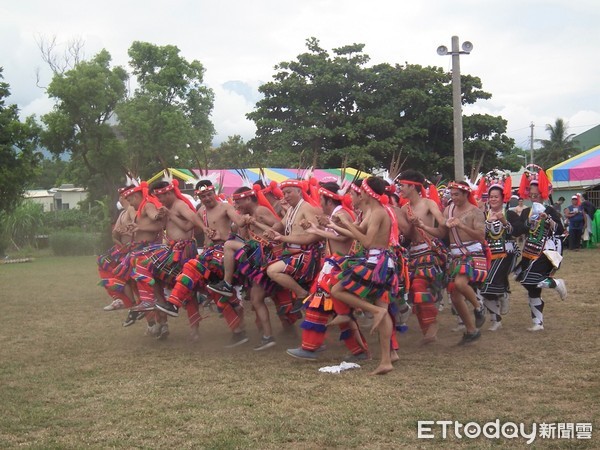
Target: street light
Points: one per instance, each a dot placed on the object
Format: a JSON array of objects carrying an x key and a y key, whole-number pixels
[
  {"x": 524, "y": 157},
  {"x": 467, "y": 47}
]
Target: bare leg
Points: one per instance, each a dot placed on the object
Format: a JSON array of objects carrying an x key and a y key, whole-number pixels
[
  {"x": 431, "y": 334},
  {"x": 385, "y": 334},
  {"x": 229, "y": 250},
  {"x": 340, "y": 319},
  {"x": 355, "y": 301},
  {"x": 463, "y": 311},
  {"x": 257, "y": 297},
  {"x": 462, "y": 284},
  {"x": 275, "y": 272}
]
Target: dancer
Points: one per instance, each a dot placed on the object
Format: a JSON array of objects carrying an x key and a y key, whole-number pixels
[
  {"x": 374, "y": 276},
  {"x": 427, "y": 254},
  {"x": 216, "y": 218},
  {"x": 542, "y": 250},
  {"x": 502, "y": 226},
  {"x": 122, "y": 237},
  {"x": 469, "y": 265},
  {"x": 319, "y": 304},
  {"x": 160, "y": 265}
]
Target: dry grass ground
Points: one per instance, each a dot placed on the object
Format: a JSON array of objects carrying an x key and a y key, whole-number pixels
[{"x": 71, "y": 376}]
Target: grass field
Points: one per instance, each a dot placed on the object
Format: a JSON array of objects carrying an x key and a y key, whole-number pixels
[{"x": 72, "y": 377}]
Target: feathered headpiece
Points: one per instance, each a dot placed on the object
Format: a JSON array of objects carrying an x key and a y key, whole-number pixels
[
  {"x": 495, "y": 179},
  {"x": 534, "y": 174},
  {"x": 342, "y": 195},
  {"x": 131, "y": 183}
]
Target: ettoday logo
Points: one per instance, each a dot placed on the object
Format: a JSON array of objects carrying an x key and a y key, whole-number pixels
[{"x": 430, "y": 429}]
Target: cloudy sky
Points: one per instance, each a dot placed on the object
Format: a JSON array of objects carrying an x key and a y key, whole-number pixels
[{"x": 538, "y": 59}]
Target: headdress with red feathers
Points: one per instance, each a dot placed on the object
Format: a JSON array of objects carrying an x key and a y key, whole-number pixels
[
  {"x": 495, "y": 179},
  {"x": 139, "y": 186},
  {"x": 173, "y": 186},
  {"x": 534, "y": 174}
]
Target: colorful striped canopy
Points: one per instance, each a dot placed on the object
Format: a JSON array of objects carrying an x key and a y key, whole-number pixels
[
  {"x": 584, "y": 167},
  {"x": 232, "y": 180}
]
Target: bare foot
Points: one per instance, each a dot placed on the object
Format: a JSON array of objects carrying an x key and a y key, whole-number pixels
[
  {"x": 340, "y": 319},
  {"x": 378, "y": 318},
  {"x": 394, "y": 356},
  {"x": 428, "y": 340},
  {"x": 431, "y": 334},
  {"x": 382, "y": 369},
  {"x": 194, "y": 334}
]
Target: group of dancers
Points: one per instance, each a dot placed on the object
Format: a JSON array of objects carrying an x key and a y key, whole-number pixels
[{"x": 328, "y": 251}]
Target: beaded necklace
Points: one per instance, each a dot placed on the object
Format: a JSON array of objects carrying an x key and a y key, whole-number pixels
[{"x": 495, "y": 229}]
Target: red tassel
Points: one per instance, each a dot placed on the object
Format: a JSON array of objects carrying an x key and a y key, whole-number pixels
[
  {"x": 543, "y": 184},
  {"x": 262, "y": 200},
  {"x": 524, "y": 186},
  {"x": 507, "y": 189},
  {"x": 275, "y": 190},
  {"x": 482, "y": 188},
  {"x": 434, "y": 195}
]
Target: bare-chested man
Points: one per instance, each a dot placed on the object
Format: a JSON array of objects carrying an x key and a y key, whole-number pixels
[
  {"x": 216, "y": 218},
  {"x": 246, "y": 203},
  {"x": 469, "y": 266},
  {"x": 122, "y": 296},
  {"x": 160, "y": 265},
  {"x": 147, "y": 230},
  {"x": 319, "y": 305},
  {"x": 299, "y": 262},
  {"x": 244, "y": 259},
  {"x": 374, "y": 277},
  {"x": 417, "y": 220}
]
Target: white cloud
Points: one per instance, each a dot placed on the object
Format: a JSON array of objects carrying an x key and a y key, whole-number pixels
[{"x": 537, "y": 58}]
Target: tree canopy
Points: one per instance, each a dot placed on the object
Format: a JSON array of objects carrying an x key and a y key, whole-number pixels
[
  {"x": 323, "y": 109},
  {"x": 18, "y": 155},
  {"x": 86, "y": 97},
  {"x": 559, "y": 147},
  {"x": 167, "y": 120}
]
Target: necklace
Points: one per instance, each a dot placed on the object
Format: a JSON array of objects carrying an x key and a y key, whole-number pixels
[{"x": 289, "y": 222}]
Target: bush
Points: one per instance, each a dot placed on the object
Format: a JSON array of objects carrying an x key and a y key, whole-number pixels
[
  {"x": 20, "y": 227},
  {"x": 71, "y": 243},
  {"x": 72, "y": 219}
]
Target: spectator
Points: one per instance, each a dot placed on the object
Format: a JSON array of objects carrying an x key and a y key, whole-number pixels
[{"x": 575, "y": 214}]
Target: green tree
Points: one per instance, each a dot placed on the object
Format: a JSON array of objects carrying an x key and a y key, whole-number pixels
[
  {"x": 311, "y": 102},
  {"x": 50, "y": 173},
  {"x": 323, "y": 110},
  {"x": 18, "y": 157},
  {"x": 233, "y": 153},
  {"x": 86, "y": 98},
  {"x": 558, "y": 148},
  {"x": 167, "y": 121}
]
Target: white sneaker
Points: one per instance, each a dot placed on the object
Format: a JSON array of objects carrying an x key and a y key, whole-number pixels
[
  {"x": 504, "y": 304},
  {"x": 116, "y": 304},
  {"x": 561, "y": 288},
  {"x": 536, "y": 327},
  {"x": 459, "y": 327},
  {"x": 495, "y": 326}
]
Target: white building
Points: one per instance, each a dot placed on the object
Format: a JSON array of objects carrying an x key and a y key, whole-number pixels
[{"x": 67, "y": 196}]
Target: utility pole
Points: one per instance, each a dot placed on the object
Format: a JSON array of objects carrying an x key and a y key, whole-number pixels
[
  {"x": 531, "y": 142},
  {"x": 459, "y": 162}
]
